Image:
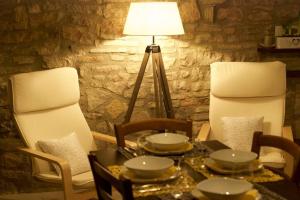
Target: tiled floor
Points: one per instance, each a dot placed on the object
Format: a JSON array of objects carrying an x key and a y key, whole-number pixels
[{"x": 34, "y": 196}]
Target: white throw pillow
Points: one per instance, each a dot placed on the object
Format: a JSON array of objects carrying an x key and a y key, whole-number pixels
[
  {"x": 238, "y": 131},
  {"x": 70, "y": 149}
]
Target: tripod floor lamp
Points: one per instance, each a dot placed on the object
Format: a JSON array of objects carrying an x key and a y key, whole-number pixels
[{"x": 153, "y": 19}]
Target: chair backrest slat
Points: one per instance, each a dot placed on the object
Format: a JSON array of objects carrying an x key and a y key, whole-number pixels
[{"x": 104, "y": 180}]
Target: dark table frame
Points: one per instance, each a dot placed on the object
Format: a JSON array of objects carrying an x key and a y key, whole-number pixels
[{"x": 286, "y": 188}]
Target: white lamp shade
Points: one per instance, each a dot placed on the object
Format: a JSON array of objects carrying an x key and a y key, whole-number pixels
[{"x": 153, "y": 18}]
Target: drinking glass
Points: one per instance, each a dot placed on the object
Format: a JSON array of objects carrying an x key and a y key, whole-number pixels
[
  {"x": 179, "y": 165},
  {"x": 140, "y": 145}
]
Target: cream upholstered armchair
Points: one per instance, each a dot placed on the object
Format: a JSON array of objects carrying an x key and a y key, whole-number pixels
[
  {"x": 247, "y": 89},
  {"x": 45, "y": 106}
]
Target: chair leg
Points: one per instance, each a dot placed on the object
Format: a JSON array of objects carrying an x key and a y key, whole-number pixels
[
  {"x": 90, "y": 194},
  {"x": 68, "y": 193}
]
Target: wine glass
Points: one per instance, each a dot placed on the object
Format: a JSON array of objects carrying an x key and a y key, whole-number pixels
[
  {"x": 140, "y": 145},
  {"x": 177, "y": 194}
]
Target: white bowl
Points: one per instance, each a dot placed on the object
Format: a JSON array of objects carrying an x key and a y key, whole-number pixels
[
  {"x": 224, "y": 188},
  {"x": 233, "y": 159},
  {"x": 148, "y": 166},
  {"x": 167, "y": 141}
]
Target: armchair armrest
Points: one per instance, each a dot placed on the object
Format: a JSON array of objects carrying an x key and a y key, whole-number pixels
[
  {"x": 287, "y": 133},
  {"x": 63, "y": 165},
  {"x": 203, "y": 132},
  {"x": 104, "y": 137},
  {"x": 289, "y": 160},
  {"x": 111, "y": 139}
]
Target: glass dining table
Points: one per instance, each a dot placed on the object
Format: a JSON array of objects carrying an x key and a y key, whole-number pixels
[{"x": 267, "y": 184}]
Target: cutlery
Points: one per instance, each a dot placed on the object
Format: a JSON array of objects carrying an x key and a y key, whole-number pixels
[
  {"x": 125, "y": 153},
  {"x": 151, "y": 187},
  {"x": 131, "y": 151},
  {"x": 154, "y": 189}
]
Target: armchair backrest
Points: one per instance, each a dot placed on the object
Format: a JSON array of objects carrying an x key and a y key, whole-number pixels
[
  {"x": 251, "y": 89},
  {"x": 45, "y": 105}
]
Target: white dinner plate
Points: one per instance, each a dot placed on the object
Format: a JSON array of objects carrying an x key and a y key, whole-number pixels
[
  {"x": 167, "y": 141},
  {"x": 149, "y": 148},
  {"x": 211, "y": 164},
  {"x": 251, "y": 195},
  {"x": 185, "y": 148},
  {"x": 171, "y": 174},
  {"x": 229, "y": 158},
  {"x": 222, "y": 188},
  {"x": 148, "y": 166}
]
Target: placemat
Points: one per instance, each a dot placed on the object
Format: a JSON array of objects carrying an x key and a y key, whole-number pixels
[
  {"x": 264, "y": 175},
  {"x": 183, "y": 183}
]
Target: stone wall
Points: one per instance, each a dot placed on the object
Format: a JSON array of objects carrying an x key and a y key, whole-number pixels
[{"x": 87, "y": 35}]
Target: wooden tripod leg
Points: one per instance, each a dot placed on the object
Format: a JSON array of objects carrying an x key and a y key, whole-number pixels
[
  {"x": 137, "y": 86},
  {"x": 157, "y": 88},
  {"x": 165, "y": 88}
]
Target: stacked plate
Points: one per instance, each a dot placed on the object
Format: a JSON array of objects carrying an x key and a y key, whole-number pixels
[
  {"x": 144, "y": 169},
  {"x": 228, "y": 161},
  {"x": 166, "y": 143},
  {"x": 229, "y": 158},
  {"x": 224, "y": 188}
]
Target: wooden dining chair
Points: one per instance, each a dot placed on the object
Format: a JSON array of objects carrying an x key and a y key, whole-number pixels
[
  {"x": 156, "y": 124},
  {"x": 104, "y": 181},
  {"x": 259, "y": 140}
]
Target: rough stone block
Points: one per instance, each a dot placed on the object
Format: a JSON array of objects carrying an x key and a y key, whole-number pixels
[
  {"x": 230, "y": 14},
  {"x": 115, "y": 108},
  {"x": 20, "y": 60},
  {"x": 200, "y": 116},
  {"x": 21, "y": 18},
  {"x": 34, "y": 8},
  {"x": 109, "y": 49},
  {"x": 189, "y": 11},
  {"x": 96, "y": 98}
]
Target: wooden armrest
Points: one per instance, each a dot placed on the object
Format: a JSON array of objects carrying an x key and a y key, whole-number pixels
[
  {"x": 203, "y": 132},
  {"x": 44, "y": 156},
  {"x": 287, "y": 133},
  {"x": 111, "y": 139},
  {"x": 289, "y": 160},
  {"x": 63, "y": 165},
  {"x": 104, "y": 137}
]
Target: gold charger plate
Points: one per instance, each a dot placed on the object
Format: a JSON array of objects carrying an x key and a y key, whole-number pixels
[
  {"x": 171, "y": 174},
  {"x": 211, "y": 164},
  {"x": 250, "y": 195},
  {"x": 187, "y": 147}
]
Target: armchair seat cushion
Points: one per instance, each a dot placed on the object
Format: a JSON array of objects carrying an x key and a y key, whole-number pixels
[
  {"x": 273, "y": 159},
  {"x": 80, "y": 181}
]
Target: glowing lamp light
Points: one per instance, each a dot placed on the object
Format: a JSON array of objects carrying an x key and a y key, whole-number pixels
[{"x": 153, "y": 18}]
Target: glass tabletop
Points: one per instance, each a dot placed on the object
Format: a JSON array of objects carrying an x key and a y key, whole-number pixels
[{"x": 273, "y": 190}]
